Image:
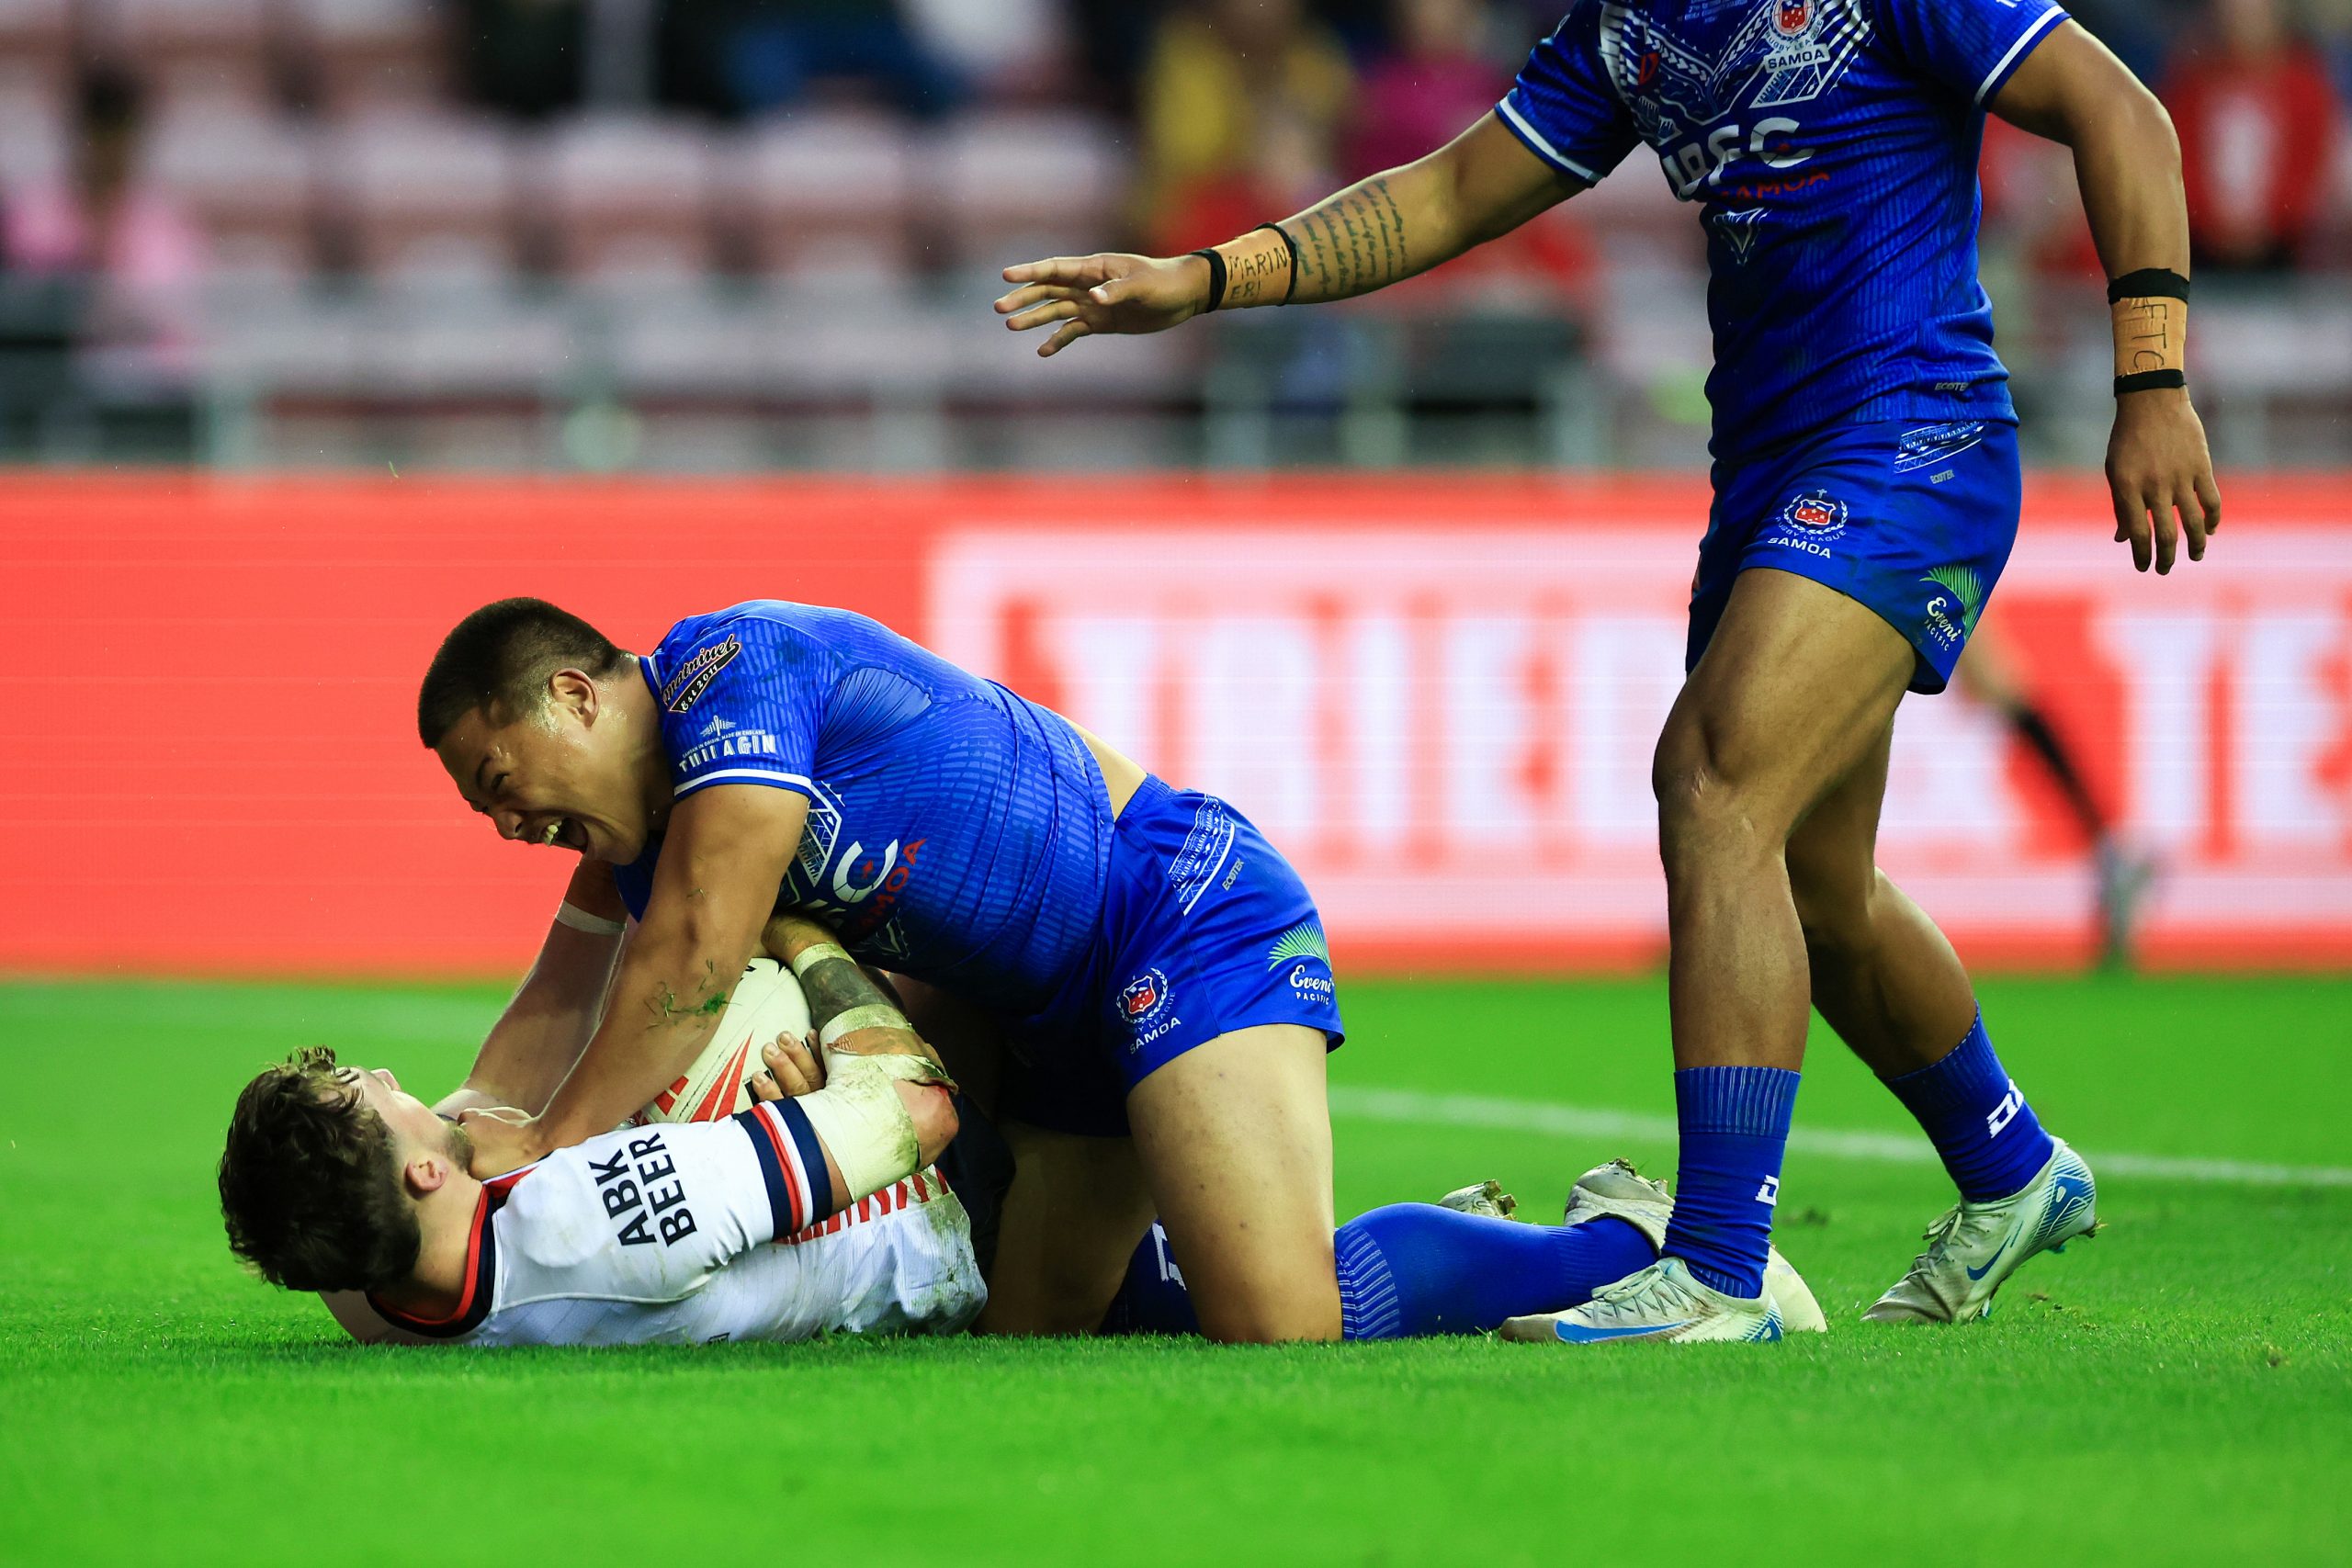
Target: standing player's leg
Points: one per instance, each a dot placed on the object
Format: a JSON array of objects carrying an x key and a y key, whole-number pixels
[
  {"x": 1890, "y": 986},
  {"x": 1792, "y": 691},
  {"x": 1797, "y": 683}
]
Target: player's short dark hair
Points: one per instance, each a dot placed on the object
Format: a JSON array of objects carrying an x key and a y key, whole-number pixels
[
  {"x": 309, "y": 1186},
  {"x": 500, "y": 657}
]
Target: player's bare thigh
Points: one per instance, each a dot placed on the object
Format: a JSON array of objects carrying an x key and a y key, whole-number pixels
[
  {"x": 1076, "y": 1209},
  {"x": 1235, "y": 1139},
  {"x": 1797, "y": 684}
]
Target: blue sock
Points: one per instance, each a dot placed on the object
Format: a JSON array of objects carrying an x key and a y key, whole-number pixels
[
  {"x": 1991, "y": 1142},
  {"x": 1414, "y": 1269},
  {"x": 1152, "y": 1299},
  {"x": 1735, "y": 1123}
]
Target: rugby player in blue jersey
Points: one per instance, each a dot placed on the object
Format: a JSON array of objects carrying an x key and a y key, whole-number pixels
[
  {"x": 1156, "y": 969},
  {"x": 1866, "y": 498}
]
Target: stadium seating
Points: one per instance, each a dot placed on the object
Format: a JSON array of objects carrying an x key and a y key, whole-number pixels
[
  {"x": 423, "y": 193},
  {"x": 245, "y": 177}
]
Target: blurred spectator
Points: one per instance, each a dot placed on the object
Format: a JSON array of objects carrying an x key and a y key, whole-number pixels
[
  {"x": 751, "y": 57},
  {"x": 1002, "y": 49},
  {"x": 2257, "y": 118},
  {"x": 1241, "y": 103},
  {"x": 1430, "y": 86},
  {"x": 524, "y": 56},
  {"x": 136, "y": 256},
  {"x": 1114, "y": 36}
]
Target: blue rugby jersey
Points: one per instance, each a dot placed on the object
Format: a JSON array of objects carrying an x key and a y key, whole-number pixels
[
  {"x": 956, "y": 833},
  {"x": 1832, "y": 146}
]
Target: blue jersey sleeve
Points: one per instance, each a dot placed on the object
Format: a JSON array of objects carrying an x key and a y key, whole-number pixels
[
  {"x": 1564, "y": 107},
  {"x": 1971, "y": 46},
  {"x": 742, "y": 699}
]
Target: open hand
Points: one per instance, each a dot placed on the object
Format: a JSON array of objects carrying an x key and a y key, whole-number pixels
[
  {"x": 2157, "y": 466},
  {"x": 1106, "y": 293}
]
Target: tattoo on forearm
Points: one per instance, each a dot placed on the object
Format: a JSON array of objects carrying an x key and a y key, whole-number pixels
[
  {"x": 1352, "y": 243},
  {"x": 837, "y": 985}
]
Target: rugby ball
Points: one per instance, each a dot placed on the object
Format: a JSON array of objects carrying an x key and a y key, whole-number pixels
[{"x": 767, "y": 1002}]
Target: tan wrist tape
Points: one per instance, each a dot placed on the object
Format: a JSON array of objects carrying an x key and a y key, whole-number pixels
[
  {"x": 864, "y": 1124},
  {"x": 809, "y": 958},
  {"x": 570, "y": 914},
  {"x": 876, "y": 1015},
  {"x": 2150, "y": 334},
  {"x": 1257, "y": 269}
]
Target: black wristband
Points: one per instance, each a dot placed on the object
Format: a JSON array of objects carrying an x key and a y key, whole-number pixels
[
  {"x": 1292, "y": 246},
  {"x": 2151, "y": 380},
  {"x": 2148, "y": 283},
  {"x": 1216, "y": 279}
]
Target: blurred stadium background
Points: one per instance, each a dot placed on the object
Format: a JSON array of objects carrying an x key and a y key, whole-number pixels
[
  {"x": 729, "y": 235},
  {"x": 323, "y": 321}
]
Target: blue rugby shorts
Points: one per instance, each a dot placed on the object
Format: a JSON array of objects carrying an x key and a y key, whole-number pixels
[
  {"x": 1206, "y": 930},
  {"x": 1915, "y": 522}
]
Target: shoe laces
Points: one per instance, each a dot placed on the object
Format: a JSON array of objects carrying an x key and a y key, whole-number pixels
[
  {"x": 1948, "y": 1228},
  {"x": 1619, "y": 1299}
]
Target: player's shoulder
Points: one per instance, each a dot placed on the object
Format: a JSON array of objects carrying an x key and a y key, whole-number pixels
[{"x": 770, "y": 622}]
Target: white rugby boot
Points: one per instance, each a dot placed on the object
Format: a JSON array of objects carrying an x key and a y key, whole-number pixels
[
  {"x": 1617, "y": 1190},
  {"x": 1976, "y": 1247},
  {"x": 1664, "y": 1302}
]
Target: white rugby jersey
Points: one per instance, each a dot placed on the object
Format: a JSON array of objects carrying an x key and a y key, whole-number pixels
[{"x": 690, "y": 1234}]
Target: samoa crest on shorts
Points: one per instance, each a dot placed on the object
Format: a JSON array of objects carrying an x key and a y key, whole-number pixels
[
  {"x": 1143, "y": 997},
  {"x": 1816, "y": 510}
]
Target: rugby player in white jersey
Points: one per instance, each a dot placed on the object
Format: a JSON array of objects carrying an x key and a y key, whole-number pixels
[{"x": 337, "y": 1181}]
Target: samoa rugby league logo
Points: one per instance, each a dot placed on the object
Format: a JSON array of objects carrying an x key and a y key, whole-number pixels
[
  {"x": 1816, "y": 511},
  {"x": 1793, "y": 19},
  {"x": 1141, "y": 999}
]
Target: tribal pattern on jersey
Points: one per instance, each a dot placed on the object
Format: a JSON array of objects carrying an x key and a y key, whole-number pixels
[
  {"x": 956, "y": 831},
  {"x": 1832, "y": 145}
]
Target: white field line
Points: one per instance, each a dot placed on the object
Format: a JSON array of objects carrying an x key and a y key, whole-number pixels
[{"x": 1362, "y": 1104}]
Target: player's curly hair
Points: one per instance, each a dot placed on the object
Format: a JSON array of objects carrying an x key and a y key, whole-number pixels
[
  {"x": 502, "y": 656},
  {"x": 310, "y": 1187}
]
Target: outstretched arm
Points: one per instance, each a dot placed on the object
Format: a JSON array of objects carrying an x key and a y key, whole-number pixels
[
  {"x": 551, "y": 1016},
  {"x": 723, "y": 859},
  {"x": 2127, "y": 159},
  {"x": 1482, "y": 184}
]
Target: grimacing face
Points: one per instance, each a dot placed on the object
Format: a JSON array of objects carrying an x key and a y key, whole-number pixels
[{"x": 559, "y": 776}]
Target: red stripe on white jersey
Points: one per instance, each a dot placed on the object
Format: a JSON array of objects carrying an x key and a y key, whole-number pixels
[{"x": 904, "y": 1194}]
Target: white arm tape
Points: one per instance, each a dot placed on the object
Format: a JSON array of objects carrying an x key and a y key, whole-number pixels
[
  {"x": 570, "y": 914},
  {"x": 807, "y": 958},
  {"x": 877, "y": 1015},
  {"x": 866, "y": 1126}
]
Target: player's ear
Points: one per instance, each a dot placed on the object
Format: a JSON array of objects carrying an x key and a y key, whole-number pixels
[
  {"x": 573, "y": 693},
  {"x": 426, "y": 1174}
]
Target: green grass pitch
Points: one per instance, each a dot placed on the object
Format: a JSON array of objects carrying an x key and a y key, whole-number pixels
[{"x": 2177, "y": 1391}]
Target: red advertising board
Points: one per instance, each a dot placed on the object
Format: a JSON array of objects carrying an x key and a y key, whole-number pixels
[{"x": 1438, "y": 693}]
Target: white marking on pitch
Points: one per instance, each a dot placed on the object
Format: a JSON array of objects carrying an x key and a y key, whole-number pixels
[{"x": 1405, "y": 1105}]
